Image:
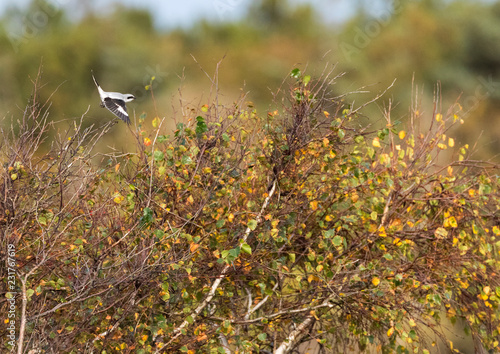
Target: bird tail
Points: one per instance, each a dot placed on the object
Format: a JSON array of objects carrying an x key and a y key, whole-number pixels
[{"x": 92, "y": 71}]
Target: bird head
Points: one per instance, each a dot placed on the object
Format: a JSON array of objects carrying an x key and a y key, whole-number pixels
[{"x": 129, "y": 97}]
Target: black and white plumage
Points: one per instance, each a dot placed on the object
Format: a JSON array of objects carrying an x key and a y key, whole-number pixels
[{"x": 115, "y": 102}]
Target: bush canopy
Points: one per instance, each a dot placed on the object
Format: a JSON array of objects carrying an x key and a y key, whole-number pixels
[{"x": 245, "y": 231}]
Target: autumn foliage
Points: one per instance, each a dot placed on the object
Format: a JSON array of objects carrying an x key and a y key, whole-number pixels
[{"x": 251, "y": 232}]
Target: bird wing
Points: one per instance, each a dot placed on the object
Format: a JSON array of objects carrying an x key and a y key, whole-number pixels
[{"x": 118, "y": 108}]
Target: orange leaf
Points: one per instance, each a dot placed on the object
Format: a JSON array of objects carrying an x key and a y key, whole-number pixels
[{"x": 194, "y": 246}]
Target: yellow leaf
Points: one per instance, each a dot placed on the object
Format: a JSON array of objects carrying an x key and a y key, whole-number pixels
[
  {"x": 376, "y": 142},
  {"x": 156, "y": 122},
  {"x": 375, "y": 281},
  {"x": 486, "y": 290},
  {"x": 450, "y": 171},
  {"x": 441, "y": 233},
  {"x": 190, "y": 199},
  {"x": 230, "y": 217},
  {"x": 451, "y": 142},
  {"x": 118, "y": 198},
  {"x": 390, "y": 331},
  {"x": 439, "y": 117},
  {"x": 13, "y": 176},
  {"x": 147, "y": 141},
  {"x": 402, "y": 134},
  {"x": 452, "y": 221},
  {"x": 314, "y": 205}
]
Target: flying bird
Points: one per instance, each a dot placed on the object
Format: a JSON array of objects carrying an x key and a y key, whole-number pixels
[{"x": 115, "y": 102}]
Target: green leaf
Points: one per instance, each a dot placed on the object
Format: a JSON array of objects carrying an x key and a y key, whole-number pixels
[
  {"x": 42, "y": 220},
  {"x": 245, "y": 247},
  {"x": 186, "y": 160},
  {"x": 158, "y": 155},
  {"x": 295, "y": 73},
  {"x": 388, "y": 257},
  {"x": 306, "y": 79},
  {"x": 230, "y": 255},
  {"x": 147, "y": 216},
  {"x": 262, "y": 337},
  {"x": 252, "y": 224},
  {"x": 30, "y": 293},
  {"x": 201, "y": 126},
  {"x": 329, "y": 233},
  {"x": 337, "y": 240}
]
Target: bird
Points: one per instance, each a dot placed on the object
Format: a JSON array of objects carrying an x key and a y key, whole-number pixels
[{"x": 115, "y": 102}]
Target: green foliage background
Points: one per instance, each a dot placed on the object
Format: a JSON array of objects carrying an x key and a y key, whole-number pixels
[{"x": 455, "y": 43}]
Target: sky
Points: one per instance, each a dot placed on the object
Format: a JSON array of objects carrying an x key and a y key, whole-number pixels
[{"x": 171, "y": 14}]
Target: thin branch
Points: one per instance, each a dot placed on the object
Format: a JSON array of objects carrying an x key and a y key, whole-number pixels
[
  {"x": 293, "y": 337},
  {"x": 259, "y": 305}
]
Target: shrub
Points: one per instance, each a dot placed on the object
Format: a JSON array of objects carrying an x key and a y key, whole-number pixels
[{"x": 251, "y": 231}]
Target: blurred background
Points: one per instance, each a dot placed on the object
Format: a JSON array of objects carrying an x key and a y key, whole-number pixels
[{"x": 126, "y": 43}]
